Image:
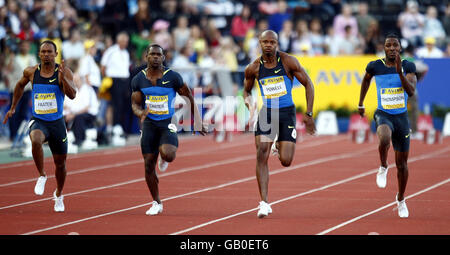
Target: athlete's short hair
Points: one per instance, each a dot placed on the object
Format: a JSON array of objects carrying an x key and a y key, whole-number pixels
[
  {"x": 154, "y": 45},
  {"x": 392, "y": 35},
  {"x": 49, "y": 42}
]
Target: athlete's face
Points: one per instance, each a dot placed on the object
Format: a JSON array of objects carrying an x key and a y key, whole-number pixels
[
  {"x": 268, "y": 43},
  {"x": 155, "y": 57},
  {"x": 47, "y": 53},
  {"x": 392, "y": 47}
]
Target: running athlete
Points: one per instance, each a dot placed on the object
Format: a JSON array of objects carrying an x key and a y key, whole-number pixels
[
  {"x": 275, "y": 127},
  {"x": 156, "y": 87},
  {"x": 395, "y": 80},
  {"x": 50, "y": 82}
]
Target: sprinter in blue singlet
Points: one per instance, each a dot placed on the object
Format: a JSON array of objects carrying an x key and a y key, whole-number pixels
[
  {"x": 50, "y": 82},
  {"x": 395, "y": 80},
  {"x": 274, "y": 72},
  {"x": 154, "y": 90}
]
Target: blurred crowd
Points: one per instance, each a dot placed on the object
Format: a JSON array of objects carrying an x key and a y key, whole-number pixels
[{"x": 104, "y": 41}]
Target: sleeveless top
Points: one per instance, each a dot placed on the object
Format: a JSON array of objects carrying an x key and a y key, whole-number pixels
[
  {"x": 48, "y": 99},
  {"x": 160, "y": 97},
  {"x": 275, "y": 85},
  {"x": 391, "y": 96}
]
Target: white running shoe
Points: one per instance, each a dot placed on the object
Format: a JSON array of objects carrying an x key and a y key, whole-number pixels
[
  {"x": 40, "y": 185},
  {"x": 381, "y": 177},
  {"x": 162, "y": 164},
  {"x": 274, "y": 149},
  {"x": 155, "y": 209},
  {"x": 402, "y": 209},
  {"x": 59, "y": 203},
  {"x": 264, "y": 209}
]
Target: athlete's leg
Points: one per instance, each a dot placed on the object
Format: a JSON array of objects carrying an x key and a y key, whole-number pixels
[
  {"x": 168, "y": 152},
  {"x": 60, "y": 172},
  {"x": 286, "y": 150},
  {"x": 384, "y": 134},
  {"x": 150, "y": 175},
  {"x": 37, "y": 138},
  {"x": 262, "y": 169},
  {"x": 401, "y": 160}
]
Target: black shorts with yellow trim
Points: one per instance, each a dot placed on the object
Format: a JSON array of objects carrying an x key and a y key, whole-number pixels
[
  {"x": 55, "y": 133},
  {"x": 273, "y": 121},
  {"x": 155, "y": 133},
  {"x": 399, "y": 125}
]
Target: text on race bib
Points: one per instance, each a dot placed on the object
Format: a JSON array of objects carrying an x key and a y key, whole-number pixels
[
  {"x": 273, "y": 87},
  {"x": 392, "y": 98},
  {"x": 157, "y": 104},
  {"x": 45, "y": 103}
]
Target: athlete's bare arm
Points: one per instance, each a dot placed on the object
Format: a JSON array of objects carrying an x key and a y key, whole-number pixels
[
  {"x": 294, "y": 69},
  {"x": 136, "y": 102},
  {"x": 409, "y": 81},
  {"x": 27, "y": 76},
  {"x": 65, "y": 75},
  {"x": 250, "y": 74},
  {"x": 365, "y": 84},
  {"x": 198, "y": 125}
]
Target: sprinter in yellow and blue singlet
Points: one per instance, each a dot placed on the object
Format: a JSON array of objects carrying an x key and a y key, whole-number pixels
[
  {"x": 154, "y": 90},
  {"x": 395, "y": 80},
  {"x": 50, "y": 84},
  {"x": 275, "y": 85},
  {"x": 274, "y": 73}
]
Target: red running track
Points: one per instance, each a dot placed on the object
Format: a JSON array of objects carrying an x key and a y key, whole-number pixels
[{"x": 211, "y": 189}]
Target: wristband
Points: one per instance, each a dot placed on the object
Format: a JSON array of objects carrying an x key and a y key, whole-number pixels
[{"x": 361, "y": 107}]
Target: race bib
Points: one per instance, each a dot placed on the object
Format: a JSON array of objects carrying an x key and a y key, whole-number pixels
[
  {"x": 45, "y": 103},
  {"x": 392, "y": 98},
  {"x": 273, "y": 87},
  {"x": 158, "y": 105}
]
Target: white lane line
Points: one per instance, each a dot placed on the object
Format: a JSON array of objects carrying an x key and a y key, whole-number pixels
[
  {"x": 182, "y": 154},
  {"x": 276, "y": 171},
  {"x": 424, "y": 156},
  {"x": 382, "y": 208}
]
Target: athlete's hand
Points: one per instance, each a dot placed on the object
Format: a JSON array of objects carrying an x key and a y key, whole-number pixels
[
  {"x": 310, "y": 125},
  {"x": 61, "y": 68},
  {"x": 8, "y": 115},
  {"x": 398, "y": 63},
  {"x": 145, "y": 113}
]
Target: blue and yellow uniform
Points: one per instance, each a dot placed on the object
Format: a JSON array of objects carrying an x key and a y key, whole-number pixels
[
  {"x": 392, "y": 101},
  {"x": 47, "y": 110},
  {"x": 277, "y": 116},
  {"x": 158, "y": 128}
]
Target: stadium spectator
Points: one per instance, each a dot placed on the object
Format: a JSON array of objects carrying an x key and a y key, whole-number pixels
[
  {"x": 344, "y": 19},
  {"x": 240, "y": 24},
  {"x": 277, "y": 19},
  {"x": 184, "y": 67},
  {"x": 433, "y": 26},
  {"x": 317, "y": 38},
  {"x": 301, "y": 40},
  {"x": 73, "y": 48},
  {"x": 80, "y": 113},
  {"x": 286, "y": 36},
  {"x": 363, "y": 18},
  {"x": 372, "y": 38},
  {"x": 411, "y": 23},
  {"x": 160, "y": 34},
  {"x": 350, "y": 43},
  {"x": 141, "y": 20},
  {"x": 115, "y": 64},
  {"x": 429, "y": 50},
  {"x": 181, "y": 32}
]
